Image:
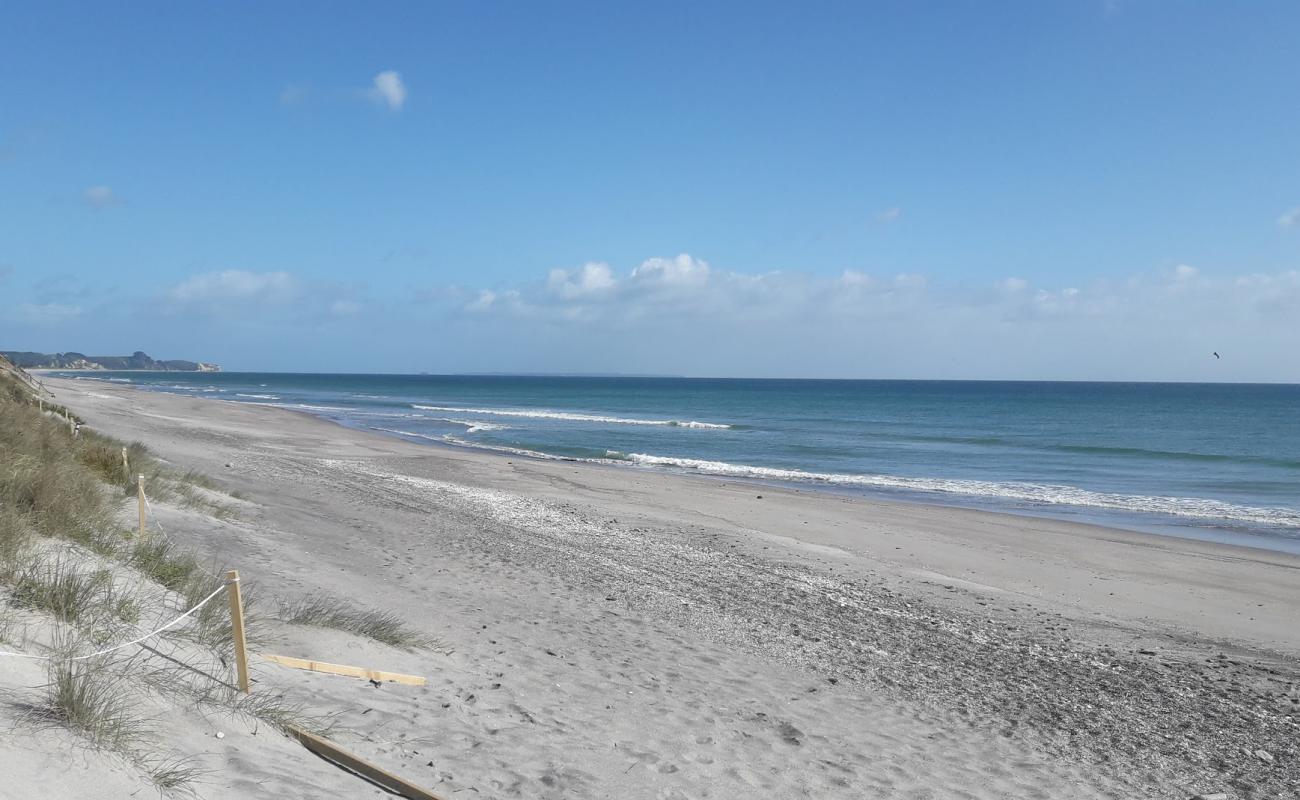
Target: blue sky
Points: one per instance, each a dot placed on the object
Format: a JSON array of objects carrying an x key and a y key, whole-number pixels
[{"x": 1101, "y": 190}]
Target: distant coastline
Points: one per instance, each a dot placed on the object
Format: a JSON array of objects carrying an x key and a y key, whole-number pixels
[{"x": 138, "y": 361}]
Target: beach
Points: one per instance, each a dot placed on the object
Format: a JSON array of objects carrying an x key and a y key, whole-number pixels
[{"x": 622, "y": 632}]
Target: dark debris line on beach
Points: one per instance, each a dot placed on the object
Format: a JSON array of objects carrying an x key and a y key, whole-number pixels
[{"x": 1191, "y": 722}]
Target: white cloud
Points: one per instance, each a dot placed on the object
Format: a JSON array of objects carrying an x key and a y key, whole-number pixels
[
  {"x": 389, "y": 90},
  {"x": 46, "y": 313},
  {"x": 266, "y": 297},
  {"x": 1290, "y": 219},
  {"x": 292, "y": 95},
  {"x": 235, "y": 285},
  {"x": 855, "y": 278},
  {"x": 100, "y": 197},
  {"x": 679, "y": 315},
  {"x": 889, "y": 216},
  {"x": 345, "y": 308},
  {"x": 591, "y": 278},
  {"x": 680, "y": 271}
]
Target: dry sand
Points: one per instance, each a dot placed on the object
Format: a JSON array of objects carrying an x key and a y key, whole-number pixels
[{"x": 621, "y": 633}]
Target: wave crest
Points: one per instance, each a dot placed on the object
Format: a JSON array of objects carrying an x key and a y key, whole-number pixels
[
  {"x": 1046, "y": 494},
  {"x": 570, "y": 416}
]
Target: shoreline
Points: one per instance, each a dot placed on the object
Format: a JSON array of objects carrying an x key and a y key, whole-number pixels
[
  {"x": 992, "y": 524},
  {"x": 902, "y": 621},
  {"x": 1110, "y": 518},
  {"x": 1087, "y": 516}
]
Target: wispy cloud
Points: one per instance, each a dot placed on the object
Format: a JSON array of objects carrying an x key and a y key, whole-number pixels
[
  {"x": 293, "y": 94},
  {"x": 267, "y": 296},
  {"x": 100, "y": 197},
  {"x": 1290, "y": 219},
  {"x": 683, "y": 315},
  {"x": 889, "y": 216},
  {"x": 389, "y": 90},
  {"x": 235, "y": 285},
  {"x": 46, "y": 314}
]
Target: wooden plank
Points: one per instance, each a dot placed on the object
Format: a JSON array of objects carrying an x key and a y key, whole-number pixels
[
  {"x": 341, "y": 669},
  {"x": 359, "y": 766}
]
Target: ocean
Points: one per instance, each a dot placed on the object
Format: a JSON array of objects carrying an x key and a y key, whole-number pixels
[{"x": 1209, "y": 461}]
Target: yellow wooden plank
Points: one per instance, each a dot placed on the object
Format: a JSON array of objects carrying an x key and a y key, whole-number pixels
[
  {"x": 354, "y": 763},
  {"x": 342, "y": 669}
]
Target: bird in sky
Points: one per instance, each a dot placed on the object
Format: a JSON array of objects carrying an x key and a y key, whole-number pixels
[{"x": 1216, "y": 355}]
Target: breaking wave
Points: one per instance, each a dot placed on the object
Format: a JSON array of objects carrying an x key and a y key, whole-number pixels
[
  {"x": 571, "y": 416},
  {"x": 1046, "y": 494}
]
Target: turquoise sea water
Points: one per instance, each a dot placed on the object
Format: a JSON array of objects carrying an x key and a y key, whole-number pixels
[{"x": 1218, "y": 461}]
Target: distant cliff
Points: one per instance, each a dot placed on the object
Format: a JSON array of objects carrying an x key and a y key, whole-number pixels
[{"x": 136, "y": 360}]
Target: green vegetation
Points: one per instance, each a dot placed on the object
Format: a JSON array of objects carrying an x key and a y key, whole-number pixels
[
  {"x": 89, "y": 698},
  {"x": 65, "y": 556},
  {"x": 137, "y": 360},
  {"x": 323, "y": 611},
  {"x": 65, "y": 591}
]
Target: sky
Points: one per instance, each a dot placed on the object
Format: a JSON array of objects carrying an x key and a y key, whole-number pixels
[{"x": 1074, "y": 190}]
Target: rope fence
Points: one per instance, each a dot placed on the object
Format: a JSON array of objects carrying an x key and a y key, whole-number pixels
[
  {"x": 322, "y": 747},
  {"x": 125, "y": 645}
]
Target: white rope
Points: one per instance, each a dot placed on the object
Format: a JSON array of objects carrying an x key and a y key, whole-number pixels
[
  {"x": 152, "y": 515},
  {"x": 105, "y": 651}
]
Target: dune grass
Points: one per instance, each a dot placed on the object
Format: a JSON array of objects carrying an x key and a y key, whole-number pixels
[
  {"x": 65, "y": 591},
  {"x": 88, "y": 697},
  {"x": 323, "y": 611},
  {"x": 163, "y": 561},
  {"x": 64, "y": 555},
  {"x": 174, "y": 775}
]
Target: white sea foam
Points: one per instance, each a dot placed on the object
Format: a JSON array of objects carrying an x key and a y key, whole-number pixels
[
  {"x": 1029, "y": 492},
  {"x": 570, "y": 416},
  {"x": 471, "y": 426},
  {"x": 410, "y": 433},
  {"x": 259, "y": 396},
  {"x": 514, "y": 451},
  {"x": 303, "y": 406}
]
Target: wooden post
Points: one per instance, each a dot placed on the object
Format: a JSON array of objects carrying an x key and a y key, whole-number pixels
[
  {"x": 126, "y": 467},
  {"x": 72, "y": 427},
  {"x": 237, "y": 628},
  {"x": 139, "y": 500}
]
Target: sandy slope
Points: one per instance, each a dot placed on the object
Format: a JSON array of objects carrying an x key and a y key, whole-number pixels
[{"x": 622, "y": 633}]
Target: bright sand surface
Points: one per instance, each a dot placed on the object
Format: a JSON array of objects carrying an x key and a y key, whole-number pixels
[{"x": 624, "y": 633}]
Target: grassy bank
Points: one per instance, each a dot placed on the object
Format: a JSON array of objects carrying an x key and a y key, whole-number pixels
[{"x": 74, "y": 578}]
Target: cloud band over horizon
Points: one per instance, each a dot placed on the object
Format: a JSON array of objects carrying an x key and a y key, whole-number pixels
[{"x": 681, "y": 315}]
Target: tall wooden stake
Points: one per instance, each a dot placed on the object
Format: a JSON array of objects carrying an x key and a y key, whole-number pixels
[
  {"x": 237, "y": 628},
  {"x": 126, "y": 467},
  {"x": 139, "y": 499}
]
